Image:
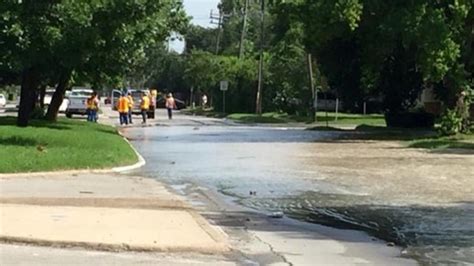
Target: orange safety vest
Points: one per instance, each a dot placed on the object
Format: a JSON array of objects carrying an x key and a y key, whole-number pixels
[
  {"x": 123, "y": 105},
  {"x": 145, "y": 104}
]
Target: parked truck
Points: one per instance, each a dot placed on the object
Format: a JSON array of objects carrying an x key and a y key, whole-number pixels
[{"x": 78, "y": 101}]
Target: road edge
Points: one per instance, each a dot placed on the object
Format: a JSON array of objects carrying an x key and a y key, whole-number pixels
[{"x": 141, "y": 161}]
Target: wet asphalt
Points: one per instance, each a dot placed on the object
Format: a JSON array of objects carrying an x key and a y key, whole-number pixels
[{"x": 266, "y": 169}]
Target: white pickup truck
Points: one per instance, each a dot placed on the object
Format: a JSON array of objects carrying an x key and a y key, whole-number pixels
[
  {"x": 49, "y": 96},
  {"x": 77, "y": 102}
]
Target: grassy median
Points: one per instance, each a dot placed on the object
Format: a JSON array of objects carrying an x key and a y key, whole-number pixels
[
  {"x": 64, "y": 145},
  {"x": 330, "y": 118},
  {"x": 459, "y": 141}
]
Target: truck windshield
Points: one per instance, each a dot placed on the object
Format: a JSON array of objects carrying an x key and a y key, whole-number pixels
[{"x": 81, "y": 93}]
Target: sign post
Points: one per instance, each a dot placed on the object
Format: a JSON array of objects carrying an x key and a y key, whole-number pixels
[{"x": 224, "y": 88}]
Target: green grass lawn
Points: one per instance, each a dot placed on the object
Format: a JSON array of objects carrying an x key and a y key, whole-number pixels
[
  {"x": 266, "y": 118},
  {"x": 365, "y": 127},
  {"x": 343, "y": 119},
  {"x": 203, "y": 112},
  {"x": 460, "y": 141},
  {"x": 412, "y": 138},
  {"x": 350, "y": 119},
  {"x": 64, "y": 145}
]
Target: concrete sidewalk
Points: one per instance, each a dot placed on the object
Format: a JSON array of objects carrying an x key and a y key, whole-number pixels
[{"x": 104, "y": 212}]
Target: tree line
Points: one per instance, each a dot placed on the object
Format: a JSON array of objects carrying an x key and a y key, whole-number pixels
[{"x": 362, "y": 50}]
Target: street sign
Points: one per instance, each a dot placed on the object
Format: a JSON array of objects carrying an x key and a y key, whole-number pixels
[{"x": 224, "y": 85}]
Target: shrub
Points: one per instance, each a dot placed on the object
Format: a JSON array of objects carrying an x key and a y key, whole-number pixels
[{"x": 451, "y": 123}]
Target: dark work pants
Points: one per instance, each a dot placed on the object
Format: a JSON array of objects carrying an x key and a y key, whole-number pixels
[
  {"x": 170, "y": 113},
  {"x": 130, "y": 116},
  {"x": 123, "y": 118},
  {"x": 144, "y": 115}
]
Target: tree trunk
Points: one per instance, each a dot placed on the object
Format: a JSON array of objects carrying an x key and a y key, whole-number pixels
[
  {"x": 58, "y": 97},
  {"x": 42, "y": 95},
  {"x": 29, "y": 84}
]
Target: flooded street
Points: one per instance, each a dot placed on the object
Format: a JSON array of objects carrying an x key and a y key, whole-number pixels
[{"x": 419, "y": 200}]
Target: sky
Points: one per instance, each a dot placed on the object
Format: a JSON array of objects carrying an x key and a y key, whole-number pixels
[{"x": 200, "y": 11}]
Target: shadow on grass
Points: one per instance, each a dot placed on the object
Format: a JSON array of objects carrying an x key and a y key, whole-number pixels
[
  {"x": 368, "y": 132},
  {"x": 107, "y": 131},
  {"x": 18, "y": 141},
  {"x": 205, "y": 113},
  {"x": 447, "y": 144},
  {"x": 418, "y": 138},
  {"x": 11, "y": 121},
  {"x": 260, "y": 119},
  {"x": 331, "y": 118}
]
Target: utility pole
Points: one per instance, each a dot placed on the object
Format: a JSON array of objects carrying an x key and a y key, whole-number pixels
[
  {"x": 219, "y": 18},
  {"x": 314, "y": 93},
  {"x": 244, "y": 30},
  {"x": 260, "y": 65},
  {"x": 220, "y": 22}
]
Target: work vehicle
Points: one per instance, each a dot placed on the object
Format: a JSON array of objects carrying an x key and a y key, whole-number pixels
[
  {"x": 49, "y": 96},
  {"x": 136, "y": 95},
  {"x": 3, "y": 101},
  {"x": 77, "y": 101}
]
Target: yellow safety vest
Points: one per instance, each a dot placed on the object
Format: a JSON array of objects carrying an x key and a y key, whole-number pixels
[
  {"x": 91, "y": 104},
  {"x": 130, "y": 101},
  {"x": 145, "y": 104}
]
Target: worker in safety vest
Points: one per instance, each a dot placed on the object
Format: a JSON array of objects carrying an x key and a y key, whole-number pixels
[
  {"x": 153, "y": 94},
  {"x": 170, "y": 105},
  {"x": 130, "y": 107},
  {"x": 123, "y": 108},
  {"x": 144, "y": 106},
  {"x": 92, "y": 104}
]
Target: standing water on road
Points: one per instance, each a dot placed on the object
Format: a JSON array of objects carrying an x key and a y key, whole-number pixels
[{"x": 290, "y": 172}]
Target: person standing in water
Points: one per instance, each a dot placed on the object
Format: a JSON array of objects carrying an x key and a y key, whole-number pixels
[
  {"x": 170, "y": 105},
  {"x": 130, "y": 107},
  {"x": 144, "y": 106},
  {"x": 122, "y": 107}
]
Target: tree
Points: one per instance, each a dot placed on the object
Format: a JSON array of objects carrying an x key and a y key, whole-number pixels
[
  {"x": 200, "y": 38},
  {"x": 425, "y": 40},
  {"x": 114, "y": 34}
]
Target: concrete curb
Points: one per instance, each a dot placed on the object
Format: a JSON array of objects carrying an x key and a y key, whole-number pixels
[
  {"x": 141, "y": 161},
  {"x": 219, "y": 248}
]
